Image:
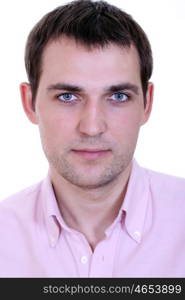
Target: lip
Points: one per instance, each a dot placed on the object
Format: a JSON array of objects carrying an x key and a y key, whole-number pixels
[
  {"x": 90, "y": 150},
  {"x": 91, "y": 154}
]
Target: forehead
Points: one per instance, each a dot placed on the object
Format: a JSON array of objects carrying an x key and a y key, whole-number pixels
[{"x": 66, "y": 57}]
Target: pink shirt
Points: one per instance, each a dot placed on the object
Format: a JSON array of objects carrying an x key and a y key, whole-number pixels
[{"x": 147, "y": 239}]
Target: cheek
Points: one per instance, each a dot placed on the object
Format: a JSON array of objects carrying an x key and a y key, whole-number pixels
[
  {"x": 126, "y": 125},
  {"x": 55, "y": 130}
]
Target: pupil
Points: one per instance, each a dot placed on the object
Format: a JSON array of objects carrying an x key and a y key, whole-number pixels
[
  {"x": 67, "y": 96},
  {"x": 120, "y": 96}
]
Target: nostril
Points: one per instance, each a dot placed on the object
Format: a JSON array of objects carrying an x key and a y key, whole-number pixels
[{"x": 92, "y": 127}]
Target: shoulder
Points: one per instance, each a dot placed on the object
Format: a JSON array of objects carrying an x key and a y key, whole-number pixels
[
  {"x": 167, "y": 188},
  {"x": 166, "y": 181},
  {"x": 21, "y": 220},
  {"x": 22, "y": 202}
]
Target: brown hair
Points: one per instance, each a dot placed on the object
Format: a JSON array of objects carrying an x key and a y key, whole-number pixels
[{"x": 93, "y": 23}]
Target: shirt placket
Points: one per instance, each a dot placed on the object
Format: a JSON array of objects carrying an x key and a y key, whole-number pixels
[
  {"x": 81, "y": 252},
  {"x": 104, "y": 257}
]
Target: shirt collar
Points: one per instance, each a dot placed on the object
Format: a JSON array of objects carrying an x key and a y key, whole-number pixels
[
  {"x": 135, "y": 204},
  {"x": 52, "y": 214},
  {"x": 133, "y": 209}
]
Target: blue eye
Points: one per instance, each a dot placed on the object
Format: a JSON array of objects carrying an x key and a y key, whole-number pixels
[
  {"x": 120, "y": 97},
  {"x": 67, "y": 97}
]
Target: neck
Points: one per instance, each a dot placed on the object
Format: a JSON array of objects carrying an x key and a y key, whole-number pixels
[{"x": 90, "y": 211}]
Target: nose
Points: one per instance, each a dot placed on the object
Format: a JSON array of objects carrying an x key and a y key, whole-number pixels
[{"x": 92, "y": 120}]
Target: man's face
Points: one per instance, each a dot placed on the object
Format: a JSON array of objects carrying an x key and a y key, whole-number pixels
[{"x": 89, "y": 108}]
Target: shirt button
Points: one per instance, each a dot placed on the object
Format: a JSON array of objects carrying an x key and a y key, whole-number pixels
[
  {"x": 137, "y": 233},
  {"x": 52, "y": 241},
  {"x": 84, "y": 259}
]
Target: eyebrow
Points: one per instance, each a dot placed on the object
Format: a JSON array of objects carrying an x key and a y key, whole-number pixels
[
  {"x": 66, "y": 87},
  {"x": 123, "y": 86},
  {"x": 113, "y": 88}
]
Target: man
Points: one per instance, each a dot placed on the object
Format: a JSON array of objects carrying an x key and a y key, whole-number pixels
[{"x": 98, "y": 213}]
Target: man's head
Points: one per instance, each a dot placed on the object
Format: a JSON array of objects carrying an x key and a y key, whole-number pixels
[
  {"x": 94, "y": 24},
  {"x": 88, "y": 90}
]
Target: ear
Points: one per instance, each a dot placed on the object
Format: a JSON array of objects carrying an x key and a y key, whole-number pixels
[
  {"x": 27, "y": 102},
  {"x": 149, "y": 103}
]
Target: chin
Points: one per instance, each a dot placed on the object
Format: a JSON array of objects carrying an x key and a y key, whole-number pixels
[{"x": 90, "y": 182}]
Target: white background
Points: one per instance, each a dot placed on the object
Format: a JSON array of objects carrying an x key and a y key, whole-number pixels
[{"x": 161, "y": 144}]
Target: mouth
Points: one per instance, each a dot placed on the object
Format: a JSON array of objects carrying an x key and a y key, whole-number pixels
[{"x": 91, "y": 154}]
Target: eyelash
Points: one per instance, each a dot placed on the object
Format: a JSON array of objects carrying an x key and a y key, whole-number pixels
[{"x": 74, "y": 101}]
